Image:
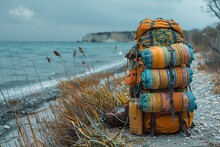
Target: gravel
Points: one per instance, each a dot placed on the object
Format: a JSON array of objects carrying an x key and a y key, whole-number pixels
[{"x": 19, "y": 106}]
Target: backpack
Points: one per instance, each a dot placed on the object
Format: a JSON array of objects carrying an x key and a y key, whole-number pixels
[{"x": 159, "y": 67}]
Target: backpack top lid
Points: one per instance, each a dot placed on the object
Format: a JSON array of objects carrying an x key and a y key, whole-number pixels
[{"x": 148, "y": 24}]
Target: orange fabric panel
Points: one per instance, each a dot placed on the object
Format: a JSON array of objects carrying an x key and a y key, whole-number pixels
[
  {"x": 164, "y": 124},
  {"x": 135, "y": 119}
]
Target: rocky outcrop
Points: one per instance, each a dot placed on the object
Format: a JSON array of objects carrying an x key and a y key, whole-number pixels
[{"x": 109, "y": 37}]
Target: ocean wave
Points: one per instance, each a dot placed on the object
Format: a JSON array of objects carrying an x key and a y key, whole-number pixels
[{"x": 22, "y": 91}]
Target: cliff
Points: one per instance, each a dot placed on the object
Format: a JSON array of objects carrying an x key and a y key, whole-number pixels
[{"x": 109, "y": 37}]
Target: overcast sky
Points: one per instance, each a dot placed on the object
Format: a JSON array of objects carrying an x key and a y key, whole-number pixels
[{"x": 70, "y": 20}]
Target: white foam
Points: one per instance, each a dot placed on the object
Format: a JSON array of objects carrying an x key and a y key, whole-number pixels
[
  {"x": 120, "y": 53},
  {"x": 105, "y": 67},
  {"x": 19, "y": 92}
]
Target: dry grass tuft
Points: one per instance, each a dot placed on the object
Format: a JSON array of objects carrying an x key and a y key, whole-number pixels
[
  {"x": 79, "y": 111},
  {"x": 76, "y": 118},
  {"x": 48, "y": 59},
  {"x": 216, "y": 87},
  {"x": 201, "y": 66},
  {"x": 199, "y": 48},
  {"x": 57, "y": 53},
  {"x": 81, "y": 51}
]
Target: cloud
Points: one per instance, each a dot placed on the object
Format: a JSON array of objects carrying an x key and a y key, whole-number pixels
[
  {"x": 22, "y": 12},
  {"x": 71, "y": 20}
]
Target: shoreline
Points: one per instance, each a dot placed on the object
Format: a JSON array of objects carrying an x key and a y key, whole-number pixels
[
  {"x": 206, "y": 132},
  {"x": 34, "y": 101},
  {"x": 20, "y": 106}
]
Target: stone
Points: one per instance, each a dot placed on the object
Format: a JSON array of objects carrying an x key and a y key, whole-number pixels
[
  {"x": 217, "y": 137},
  {"x": 6, "y": 127},
  {"x": 23, "y": 112}
]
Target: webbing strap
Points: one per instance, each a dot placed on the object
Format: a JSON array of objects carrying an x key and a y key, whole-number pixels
[
  {"x": 137, "y": 52},
  {"x": 173, "y": 30},
  {"x": 138, "y": 55},
  {"x": 152, "y": 24},
  {"x": 171, "y": 82},
  {"x": 171, "y": 25},
  {"x": 152, "y": 124},
  {"x": 188, "y": 116},
  {"x": 172, "y": 104},
  {"x": 174, "y": 36},
  {"x": 183, "y": 125},
  {"x": 190, "y": 89},
  {"x": 143, "y": 119},
  {"x": 151, "y": 38},
  {"x": 193, "y": 125}
]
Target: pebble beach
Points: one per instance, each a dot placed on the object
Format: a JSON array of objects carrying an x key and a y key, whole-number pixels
[{"x": 206, "y": 119}]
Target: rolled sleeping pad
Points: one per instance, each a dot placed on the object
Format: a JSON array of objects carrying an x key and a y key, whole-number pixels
[
  {"x": 160, "y": 102},
  {"x": 159, "y": 78},
  {"x": 160, "y": 56}
]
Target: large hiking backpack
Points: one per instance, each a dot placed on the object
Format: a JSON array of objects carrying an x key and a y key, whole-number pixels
[{"x": 159, "y": 73}]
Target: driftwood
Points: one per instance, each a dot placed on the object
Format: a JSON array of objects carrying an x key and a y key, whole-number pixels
[{"x": 213, "y": 48}]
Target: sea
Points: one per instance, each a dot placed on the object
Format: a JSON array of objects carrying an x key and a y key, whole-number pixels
[{"x": 27, "y": 67}]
